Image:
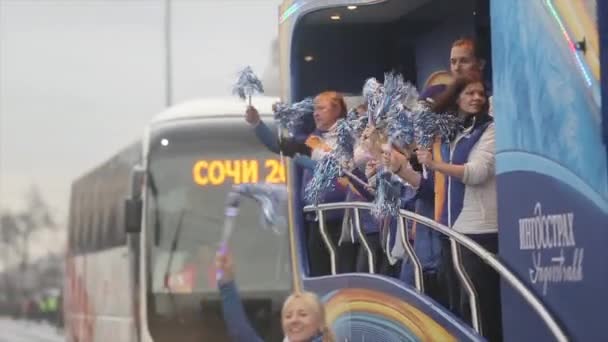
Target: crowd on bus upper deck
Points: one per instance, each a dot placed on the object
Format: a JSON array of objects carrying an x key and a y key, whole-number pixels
[{"x": 452, "y": 183}]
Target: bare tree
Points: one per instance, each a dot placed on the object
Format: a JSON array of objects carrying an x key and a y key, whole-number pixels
[
  {"x": 9, "y": 233},
  {"x": 18, "y": 229},
  {"x": 36, "y": 217}
]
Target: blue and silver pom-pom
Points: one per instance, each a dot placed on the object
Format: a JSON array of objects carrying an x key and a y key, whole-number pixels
[
  {"x": 372, "y": 93},
  {"x": 279, "y": 108},
  {"x": 410, "y": 96},
  {"x": 401, "y": 129},
  {"x": 345, "y": 141},
  {"x": 388, "y": 195},
  {"x": 424, "y": 128},
  {"x": 356, "y": 122},
  {"x": 290, "y": 116},
  {"x": 429, "y": 125},
  {"x": 247, "y": 84},
  {"x": 352, "y": 115},
  {"x": 395, "y": 91},
  {"x": 272, "y": 199},
  {"x": 305, "y": 106},
  {"x": 325, "y": 174},
  {"x": 448, "y": 126}
]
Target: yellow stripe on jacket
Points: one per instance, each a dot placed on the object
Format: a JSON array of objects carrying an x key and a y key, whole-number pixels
[{"x": 439, "y": 182}]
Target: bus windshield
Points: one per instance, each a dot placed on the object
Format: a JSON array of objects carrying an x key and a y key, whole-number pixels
[{"x": 192, "y": 167}]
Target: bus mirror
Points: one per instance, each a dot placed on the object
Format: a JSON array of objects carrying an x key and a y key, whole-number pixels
[{"x": 133, "y": 215}]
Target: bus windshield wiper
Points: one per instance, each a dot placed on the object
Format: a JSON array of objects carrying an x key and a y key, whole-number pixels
[
  {"x": 167, "y": 272},
  {"x": 174, "y": 243},
  {"x": 157, "y": 221}
]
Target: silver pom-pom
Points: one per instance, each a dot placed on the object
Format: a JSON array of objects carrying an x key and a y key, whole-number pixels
[
  {"x": 247, "y": 84},
  {"x": 325, "y": 174},
  {"x": 291, "y": 116},
  {"x": 388, "y": 195}
]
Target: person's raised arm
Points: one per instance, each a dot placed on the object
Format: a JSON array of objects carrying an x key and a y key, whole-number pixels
[
  {"x": 264, "y": 134},
  {"x": 239, "y": 327}
]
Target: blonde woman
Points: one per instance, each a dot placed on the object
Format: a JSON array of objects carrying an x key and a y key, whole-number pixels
[{"x": 302, "y": 316}]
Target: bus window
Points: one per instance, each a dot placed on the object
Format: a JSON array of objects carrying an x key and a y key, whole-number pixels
[
  {"x": 100, "y": 236},
  {"x": 114, "y": 228},
  {"x": 73, "y": 222},
  {"x": 80, "y": 222},
  {"x": 86, "y": 228},
  {"x": 94, "y": 229}
]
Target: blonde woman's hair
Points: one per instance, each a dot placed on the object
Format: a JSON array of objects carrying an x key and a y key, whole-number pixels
[{"x": 319, "y": 310}]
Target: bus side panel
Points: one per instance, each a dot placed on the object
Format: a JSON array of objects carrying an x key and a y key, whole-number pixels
[
  {"x": 109, "y": 285},
  {"x": 551, "y": 165},
  {"x": 77, "y": 306},
  {"x": 364, "y": 307},
  {"x": 98, "y": 304},
  {"x": 602, "y": 15}
]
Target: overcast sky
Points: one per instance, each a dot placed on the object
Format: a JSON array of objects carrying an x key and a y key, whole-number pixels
[{"x": 79, "y": 79}]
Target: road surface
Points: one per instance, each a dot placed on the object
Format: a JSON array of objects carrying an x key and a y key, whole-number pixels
[{"x": 22, "y": 331}]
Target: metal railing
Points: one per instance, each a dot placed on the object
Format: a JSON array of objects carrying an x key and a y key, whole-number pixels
[{"x": 456, "y": 239}]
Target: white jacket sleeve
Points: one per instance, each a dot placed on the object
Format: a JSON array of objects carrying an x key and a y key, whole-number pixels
[{"x": 482, "y": 160}]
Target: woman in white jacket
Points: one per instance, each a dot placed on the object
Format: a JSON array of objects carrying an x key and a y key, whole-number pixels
[{"x": 469, "y": 205}]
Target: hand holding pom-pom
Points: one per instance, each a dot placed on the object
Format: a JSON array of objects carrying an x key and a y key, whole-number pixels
[
  {"x": 252, "y": 116},
  {"x": 393, "y": 160},
  {"x": 371, "y": 168},
  {"x": 425, "y": 158},
  {"x": 347, "y": 164}
]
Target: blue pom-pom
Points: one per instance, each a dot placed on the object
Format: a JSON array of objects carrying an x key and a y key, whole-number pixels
[
  {"x": 401, "y": 129},
  {"x": 409, "y": 97},
  {"x": 425, "y": 130},
  {"x": 361, "y": 124},
  {"x": 291, "y": 116},
  {"x": 448, "y": 126},
  {"x": 352, "y": 115},
  {"x": 388, "y": 195},
  {"x": 356, "y": 122},
  {"x": 303, "y": 107},
  {"x": 247, "y": 84},
  {"x": 429, "y": 125},
  {"x": 372, "y": 93},
  {"x": 345, "y": 142},
  {"x": 323, "y": 180},
  {"x": 394, "y": 92}
]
